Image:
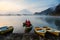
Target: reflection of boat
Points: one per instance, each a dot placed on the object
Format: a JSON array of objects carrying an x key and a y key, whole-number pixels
[
  {"x": 28, "y": 26},
  {"x": 6, "y": 30}
]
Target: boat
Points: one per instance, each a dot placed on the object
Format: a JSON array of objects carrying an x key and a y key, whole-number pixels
[
  {"x": 6, "y": 30},
  {"x": 40, "y": 31},
  {"x": 54, "y": 32},
  {"x": 27, "y": 26},
  {"x": 28, "y": 29}
]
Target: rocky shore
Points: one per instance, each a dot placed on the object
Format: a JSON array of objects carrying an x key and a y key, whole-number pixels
[
  {"x": 23, "y": 36},
  {"x": 20, "y": 36}
]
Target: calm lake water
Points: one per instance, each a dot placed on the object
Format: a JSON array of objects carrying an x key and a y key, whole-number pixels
[{"x": 37, "y": 21}]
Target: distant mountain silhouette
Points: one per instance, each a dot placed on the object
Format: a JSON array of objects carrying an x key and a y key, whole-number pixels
[
  {"x": 55, "y": 11},
  {"x": 45, "y": 12}
]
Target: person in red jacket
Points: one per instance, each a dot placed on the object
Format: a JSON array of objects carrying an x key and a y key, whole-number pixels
[
  {"x": 28, "y": 23},
  {"x": 28, "y": 26}
]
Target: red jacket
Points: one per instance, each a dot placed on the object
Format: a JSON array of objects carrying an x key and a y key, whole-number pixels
[{"x": 28, "y": 24}]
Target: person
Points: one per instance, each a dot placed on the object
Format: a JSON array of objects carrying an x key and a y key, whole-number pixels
[
  {"x": 28, "y": 23},
  {"x": 28, "y": 26}
]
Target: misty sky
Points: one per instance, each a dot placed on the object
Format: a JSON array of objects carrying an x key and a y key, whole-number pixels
[{"x": 32, "y": 5}]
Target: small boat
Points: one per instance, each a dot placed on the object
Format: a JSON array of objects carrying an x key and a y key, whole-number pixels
[
  {"x": 6, "y": 30},
  {"x": 40, "y": 31},
  {"x": 28, "y": 29},
  {"x": 54, "y": 32},
  {"x": 28, "y": 26},
  {"x": 43, "y": 30}
]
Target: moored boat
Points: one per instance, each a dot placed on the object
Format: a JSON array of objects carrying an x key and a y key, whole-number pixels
[
  {"x": 40, "y": 31},
  {"x": 54, "y": 32},
  {"x": 28, "y": 26},
  {"x": 6, "y": 30}
]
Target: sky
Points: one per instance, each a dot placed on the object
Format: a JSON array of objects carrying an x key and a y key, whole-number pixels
[{"x": 31, "y": 5}]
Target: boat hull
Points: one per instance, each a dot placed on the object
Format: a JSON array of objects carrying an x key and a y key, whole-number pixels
[
  {"x": 42, "y": 34},
  {"x": 8, "y": 31},
  {"x": 28, "y": 29}
]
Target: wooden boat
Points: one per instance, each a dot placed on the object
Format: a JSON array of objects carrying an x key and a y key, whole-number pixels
[
  {"x": 6, "y": 30},
  {"x": 54, "y": 32},
  {"x": 43, "y": 30},
  {"x": 47, "y": 33},
  {"x": 40, "y": 31},
  {"x": 27, "y": 29}
]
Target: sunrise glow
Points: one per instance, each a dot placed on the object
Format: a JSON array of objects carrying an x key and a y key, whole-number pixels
[{"x": 8, "y": 6}]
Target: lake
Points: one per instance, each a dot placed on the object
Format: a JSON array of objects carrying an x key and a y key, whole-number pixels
[{"x": 36, "y": 20}]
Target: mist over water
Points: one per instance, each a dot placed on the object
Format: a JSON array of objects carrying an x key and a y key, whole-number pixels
[{"x": 37, "y": 21}]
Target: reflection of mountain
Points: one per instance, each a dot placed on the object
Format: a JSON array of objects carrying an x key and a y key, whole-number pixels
[
  {"x": 57, "y": 23},
  {"x": 54, "y": 21},
  {"x": 25, "y": 12},
  {"x": 50, "y": 11}
]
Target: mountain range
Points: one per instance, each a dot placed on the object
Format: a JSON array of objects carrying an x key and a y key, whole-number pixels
[{"x": 53, "y": 11}]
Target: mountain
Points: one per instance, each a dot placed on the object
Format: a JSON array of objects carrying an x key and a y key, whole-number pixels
[
  {"x": 57, "y": 11},
  {"x": 25, "y": 11},
  {"x": 53, "y": 11},
  {"x": 45, "y": 12}
]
